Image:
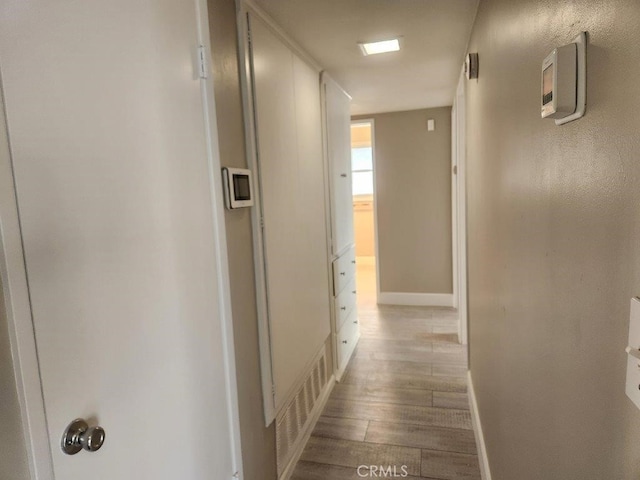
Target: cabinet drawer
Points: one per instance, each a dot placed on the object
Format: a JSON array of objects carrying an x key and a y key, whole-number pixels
[
  {"x": 345, "y": 302},
  {"x": 344, "y": 269},
  {"x": 347, "y": 338}
]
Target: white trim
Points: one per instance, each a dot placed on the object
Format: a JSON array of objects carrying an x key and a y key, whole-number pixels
[
  {"x": 416, "y": 299},
  {"x": 454, "y": 203},
  {"x": 264, "y": 331},
  {"x": 220, "y": 246},
  {"x": 315, "y": 415},
  {"x": 18, "y": 310},
  {"x": 477, "y": 429},
  {"x": 459, "y": 214}
]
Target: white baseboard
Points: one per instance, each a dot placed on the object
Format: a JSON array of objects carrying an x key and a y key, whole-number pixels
[
  {"x": 416, "y": 299},
  {"x": 477, "y": 428},
  {"x": 315, "y": 415}
]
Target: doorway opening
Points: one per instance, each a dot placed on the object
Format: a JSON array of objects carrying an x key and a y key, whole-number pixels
[{"x": 364, "y": 211}]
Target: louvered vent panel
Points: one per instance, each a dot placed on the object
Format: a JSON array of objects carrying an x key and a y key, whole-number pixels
[{"x": 294, "y": 418}]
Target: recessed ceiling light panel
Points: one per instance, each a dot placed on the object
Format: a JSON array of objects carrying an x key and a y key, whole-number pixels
[{"x": 384, "y": 46}]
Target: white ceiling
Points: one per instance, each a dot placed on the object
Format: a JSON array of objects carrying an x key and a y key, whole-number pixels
[{"x": 423, "y": 74}]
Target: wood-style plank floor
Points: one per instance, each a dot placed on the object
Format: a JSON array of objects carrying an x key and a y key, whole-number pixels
[{"x": 402, "y": 404}]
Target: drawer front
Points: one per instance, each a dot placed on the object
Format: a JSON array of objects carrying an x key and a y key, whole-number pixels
[
  {"x": 345, "y": 302},
  {"x": 347, "y": 338},
  {"x": 344, "y": 269}
]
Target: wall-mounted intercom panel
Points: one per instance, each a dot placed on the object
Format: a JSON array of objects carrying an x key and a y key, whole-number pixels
[
  {"x": 238, "y": 187},
  {"x": 564, "y": 77}
]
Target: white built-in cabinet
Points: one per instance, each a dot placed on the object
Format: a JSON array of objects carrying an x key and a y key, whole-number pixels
[
  {"x": 299, "y": 142},
  {"x": 345, "y": 328},
  {"x": 292, "y": 208},
  {"x": 299, "y": 147}
]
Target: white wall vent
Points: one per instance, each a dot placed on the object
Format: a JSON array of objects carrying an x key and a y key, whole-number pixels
[{"x": 293, "y": 421}]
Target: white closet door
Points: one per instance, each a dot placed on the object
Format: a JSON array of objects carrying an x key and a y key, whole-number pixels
[
  {"x": 289, "y": 140},
  {"x": 339, "y": 151},
  {"x": 109, "y": 150}
]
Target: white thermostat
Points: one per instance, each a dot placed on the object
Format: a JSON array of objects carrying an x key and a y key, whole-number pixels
[
  {"x": 564, "y": 76},
  {"x": 238, "y": 188}
]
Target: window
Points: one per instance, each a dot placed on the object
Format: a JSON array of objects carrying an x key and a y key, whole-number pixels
[
  {"x": 361, "y": 159},
  {"x": 362, "y": 168}
]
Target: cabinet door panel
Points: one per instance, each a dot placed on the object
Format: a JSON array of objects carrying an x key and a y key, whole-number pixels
[
  {"x": 344, "y": 269},
  {"x": 339, "y": 151},
  {"x": 289, "y": 138},
  {"x": 345, "y": 303}
]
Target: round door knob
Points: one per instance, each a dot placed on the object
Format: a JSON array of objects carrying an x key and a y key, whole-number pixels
[
  {"x": 78, "y": 435},
  {"x": 92, "y": 439}
]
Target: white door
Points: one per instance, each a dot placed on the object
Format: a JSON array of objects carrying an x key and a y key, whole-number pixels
[
  {"x": 110, "y": 153},
  {"x": 338, "y": 104}
]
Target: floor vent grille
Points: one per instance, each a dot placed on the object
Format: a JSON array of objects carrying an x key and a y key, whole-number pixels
[{"x": 292, "y": 422}]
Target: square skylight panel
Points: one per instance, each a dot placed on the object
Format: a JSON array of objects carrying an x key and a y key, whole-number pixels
[{"x": 384, "y": 46}]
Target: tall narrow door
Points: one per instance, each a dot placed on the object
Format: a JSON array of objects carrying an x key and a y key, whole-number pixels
[
  {"x": 337, "y": 107},
  {"x": 109, "y": 147},
  {"x": 289, "y": 139}
]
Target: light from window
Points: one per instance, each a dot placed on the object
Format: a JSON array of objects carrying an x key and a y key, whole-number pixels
[{"x": 362, "y": 169}]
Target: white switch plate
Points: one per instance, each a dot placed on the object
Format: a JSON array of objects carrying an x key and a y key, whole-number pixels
[
  {"x": 431, "y": 125},
  {"x": 633, "y": 364}
]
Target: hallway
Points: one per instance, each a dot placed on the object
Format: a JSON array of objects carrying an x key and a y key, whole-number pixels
[{"x": 402, "y": 404}]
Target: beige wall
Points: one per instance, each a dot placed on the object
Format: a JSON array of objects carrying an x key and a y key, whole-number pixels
[
  {"x": 413, "y": 188},
  {"x": 258, "y": 442},
  {"x": 554, "y": 243},
  {"x": 13, "y": 453}
]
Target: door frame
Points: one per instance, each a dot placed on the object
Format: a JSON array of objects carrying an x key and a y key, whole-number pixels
[
  {"x": 459, "y": 208},
  {"x": 371, "y": 121},
  {"x": 16, "y": 290},
  {"x": 259, "y": 260},
  {"x": 18, "y": 313}
]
